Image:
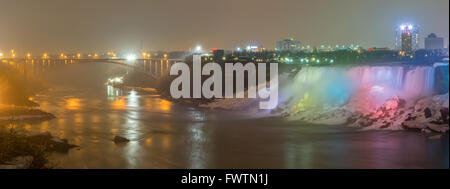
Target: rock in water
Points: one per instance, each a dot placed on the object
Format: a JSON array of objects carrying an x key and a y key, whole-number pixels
[{"x": 119, "y": 139}]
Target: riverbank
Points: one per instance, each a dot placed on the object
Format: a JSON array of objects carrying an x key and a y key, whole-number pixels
[
  {"x": 21, "y": 150},
  {"x": 29, "y": 151}
]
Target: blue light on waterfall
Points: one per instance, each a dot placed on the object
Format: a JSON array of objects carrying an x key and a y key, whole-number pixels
[{"x": 366, "y": 86}]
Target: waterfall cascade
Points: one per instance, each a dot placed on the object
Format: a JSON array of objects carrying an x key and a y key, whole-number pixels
[{"x": 362, "y": 87}]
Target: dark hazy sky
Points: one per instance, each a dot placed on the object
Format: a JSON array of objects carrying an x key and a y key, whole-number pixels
[{"x": 92, "y": 25}]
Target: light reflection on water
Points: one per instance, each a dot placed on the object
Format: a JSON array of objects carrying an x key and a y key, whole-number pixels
[
  {"x": 166, "y": 135},
  {"x": 73, "y": 104}
]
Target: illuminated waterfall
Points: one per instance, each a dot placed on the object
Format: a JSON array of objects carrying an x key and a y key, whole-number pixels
[{"x": 361, "y": 86}]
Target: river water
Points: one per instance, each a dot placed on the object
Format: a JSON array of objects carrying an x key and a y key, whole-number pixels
[{"x": 167, "y": 135}]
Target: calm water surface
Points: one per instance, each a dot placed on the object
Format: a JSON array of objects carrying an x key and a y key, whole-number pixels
[{"x": 165, "y": 135}]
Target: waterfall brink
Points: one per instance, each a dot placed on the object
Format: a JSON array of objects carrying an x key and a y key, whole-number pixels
[{"x": 362, "y": 88}]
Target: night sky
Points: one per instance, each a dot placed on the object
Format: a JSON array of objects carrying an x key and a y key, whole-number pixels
[{"x": 92, "y": 25}]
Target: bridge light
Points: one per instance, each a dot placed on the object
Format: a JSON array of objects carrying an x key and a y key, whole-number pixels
[
  {"x": 198, "y": 48},
  {"x": 131, "y": 57}
]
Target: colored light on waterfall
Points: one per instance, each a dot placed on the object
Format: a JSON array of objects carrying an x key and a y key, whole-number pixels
[{"x": 364, "y": 86}]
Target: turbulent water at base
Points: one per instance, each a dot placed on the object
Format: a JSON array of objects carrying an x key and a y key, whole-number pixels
[{"x": 365, "y": 86}]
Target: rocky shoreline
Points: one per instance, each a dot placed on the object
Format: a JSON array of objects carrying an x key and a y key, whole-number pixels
[
  {"x": 426, "y": 115},
  {"x": 29, "y": 151}
]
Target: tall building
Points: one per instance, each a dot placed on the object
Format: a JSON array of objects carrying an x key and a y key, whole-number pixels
[
  {"x": 407, "y": 38},
  {"x": 432, "y": 42},
  {"x": 407, "y": 42},
  {"x": 288, "y": 45}
]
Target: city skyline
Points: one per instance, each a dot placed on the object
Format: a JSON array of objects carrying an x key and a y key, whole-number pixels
[{"x": 82, "y": 26}]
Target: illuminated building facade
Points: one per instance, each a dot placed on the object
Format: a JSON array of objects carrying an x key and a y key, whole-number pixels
[
  {"x": 407, "y": 42},
  {"x": 407, "y": 38}
]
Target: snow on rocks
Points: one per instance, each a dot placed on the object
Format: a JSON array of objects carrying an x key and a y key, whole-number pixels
[
  {"x": 427, "y": 115},
  {"x": 329, "y": 116}
]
